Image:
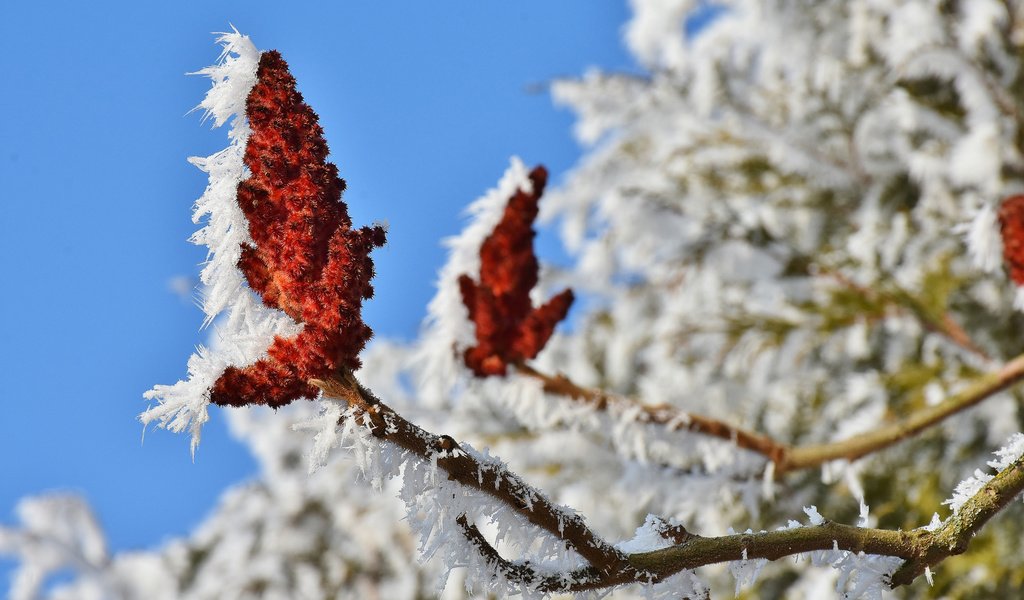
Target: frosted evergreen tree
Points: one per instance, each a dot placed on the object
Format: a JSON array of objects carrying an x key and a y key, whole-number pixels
[{"x": 797, "y": 245}]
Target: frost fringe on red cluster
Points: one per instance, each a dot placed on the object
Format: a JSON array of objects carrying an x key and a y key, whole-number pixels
[
  {"x": 1011, "y": 228},
  {"x": 307, "y": 260},
  {"x": 509, "y": 329}
]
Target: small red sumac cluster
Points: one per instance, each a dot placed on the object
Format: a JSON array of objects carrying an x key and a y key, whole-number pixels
[
  {"x": 509, "y": 329},
  {"x": 1011, "y": 226},
  {"x": 307, "y": 261}
]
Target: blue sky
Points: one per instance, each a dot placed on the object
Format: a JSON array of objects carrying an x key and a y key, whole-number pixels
[{"x": 422, "y": 104}]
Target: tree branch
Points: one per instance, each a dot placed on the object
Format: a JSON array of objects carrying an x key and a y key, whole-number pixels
[
  {"x": 985, "y": 386},
  {"x": 670, "y": 417},
  {"x": 609, "y": 567},
  {"x": 490, "y": 479},
  {"x": 920, "y": 548},
  {"x": 578, "y": 580},
  {"x": 956, "y": 533},
  {"x": 945, "y": 325},
  {"x": 785, "y": 457}
]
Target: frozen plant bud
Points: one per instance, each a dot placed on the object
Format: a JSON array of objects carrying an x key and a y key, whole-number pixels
[
  {"x": 509, "y": 328},
  {"x": 306, "y": 259},
  {"x": 1011, "y": 226}
]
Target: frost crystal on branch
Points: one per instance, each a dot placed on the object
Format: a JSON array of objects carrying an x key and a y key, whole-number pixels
[{"x": 1010, "y": 452}]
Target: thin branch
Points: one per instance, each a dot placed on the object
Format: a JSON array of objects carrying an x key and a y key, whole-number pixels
[
  {"x": 785, "y": 457},
  {"x": 672, "y": 418},
  {"x": 773, "y": 545},
  {"x": 956, "y": 533},
  {"x": 920, "y": 548},
  {"x": 610, "y": 567},
  {"x": 524, "y": 574},
  {"x": 985, "y": 386}
]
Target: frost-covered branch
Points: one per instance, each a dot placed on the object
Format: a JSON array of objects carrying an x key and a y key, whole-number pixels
[
  {"x": 802, "y": 457},
  {"x": 787, "y": 457},
  {"x": 954, "y": 536},
  {"x": 609, "y": 566},
  {"x": 582, "y": 579},
  {"x": 922, "y": 548},
  {"x": 664, "y": 415},
  {"x": 490, "y": 479}
]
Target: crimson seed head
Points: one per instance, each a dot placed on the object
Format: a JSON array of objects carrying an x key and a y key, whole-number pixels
[
  {"x": 509, "y": 328},
  {"x": 1011, "y": 226},
  {"x": 307, "y": 260}
]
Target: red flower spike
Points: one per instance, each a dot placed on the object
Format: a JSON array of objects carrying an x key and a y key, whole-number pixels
[
  {"x": 1011, "y": 227},
  {"x": 508, "y": 327},
  {"x": 307, "y": 260}
]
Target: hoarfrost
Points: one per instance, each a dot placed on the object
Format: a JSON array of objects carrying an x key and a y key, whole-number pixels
[
  {"x": 746, "y": 571},
  {"x": 243, "y": 334},
  {"x": 649, "y": 536},
  {"x": 1011, "y": 452}
]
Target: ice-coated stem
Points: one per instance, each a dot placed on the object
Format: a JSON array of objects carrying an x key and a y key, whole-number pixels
[
  {"x": 610, "y": 567},
  {"x": 491, "y": 479}
]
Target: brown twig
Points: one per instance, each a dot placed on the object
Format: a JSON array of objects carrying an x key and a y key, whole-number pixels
[
  {"x": 610, "y": 567},
  {"x": 985, "y": 386},
  {"x": 920, "y": 548},
  {"x": 783, "y": 456},
  {"x": 672, "y": 418}
]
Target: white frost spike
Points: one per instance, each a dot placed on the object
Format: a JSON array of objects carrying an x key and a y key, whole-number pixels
[
  {"x": 327, "y": 435},
  {"x": 984, "y": 242},
  {"x": 865, "y": 514},
  {"x": 1012, "y": 451},
  {"x": 233, "y": 76},
  {"x": 746, "y": 571},
  {"x": 647, "y": 537},
  {"x": 813, "y": 514},
  {"x": 248, "y": 327},
  {"x": 934, "y": 524}
]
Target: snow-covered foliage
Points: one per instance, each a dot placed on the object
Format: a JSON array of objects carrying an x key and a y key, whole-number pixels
[{"x": 787, "y": 220}]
